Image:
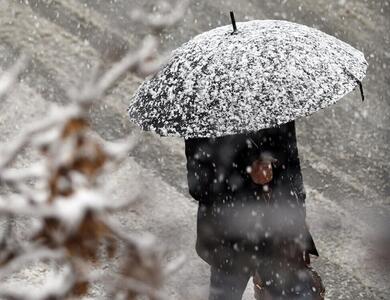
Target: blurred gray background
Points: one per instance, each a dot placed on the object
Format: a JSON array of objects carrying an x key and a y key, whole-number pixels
[{"x": 344, "y": 150}]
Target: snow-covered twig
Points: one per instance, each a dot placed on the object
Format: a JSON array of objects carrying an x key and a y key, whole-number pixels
[
  {"x": 59, "y": 287},
  {"x": 30, "y": 255},
  {"x": 175, "y": 265},
  {"x": 13, "y": 148},
  {"x": 132, "y": 62},
  {"x": 10, "y": 77},
  {"x": 36, "y": 171}
]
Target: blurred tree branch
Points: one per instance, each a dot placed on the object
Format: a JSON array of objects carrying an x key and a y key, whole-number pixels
[{"x": 62, "y": 192}]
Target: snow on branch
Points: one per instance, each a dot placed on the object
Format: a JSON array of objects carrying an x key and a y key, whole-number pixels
[
  {"x": 132, "y": 62},
  {"x": 62, "y": 193},
  {"x": 10, "y": 77}
]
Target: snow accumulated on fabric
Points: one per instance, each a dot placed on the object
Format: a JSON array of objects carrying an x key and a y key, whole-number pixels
[{"x": 267, "y": 74}]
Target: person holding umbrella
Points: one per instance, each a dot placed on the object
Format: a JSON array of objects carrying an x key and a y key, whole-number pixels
[
  {"x": 234, "y": 96},
  {"x": 251, "y": 219}
]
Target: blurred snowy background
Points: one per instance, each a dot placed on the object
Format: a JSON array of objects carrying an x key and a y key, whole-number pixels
[{"x": 345, "y": 150}]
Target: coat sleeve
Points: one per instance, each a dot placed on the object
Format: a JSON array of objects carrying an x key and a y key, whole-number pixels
[
  {"x": 294, "y": 167},
  {"x": 295, "y": 176},
  {"x": 199, "y": 169}
]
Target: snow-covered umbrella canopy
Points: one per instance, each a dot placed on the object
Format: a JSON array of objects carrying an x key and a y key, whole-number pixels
[{"x": 265, "y": 74}]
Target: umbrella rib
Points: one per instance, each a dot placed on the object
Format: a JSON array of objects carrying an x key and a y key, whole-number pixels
[
  {"x": 358, "y": 82},
  {"x": 361, "y": 89},
  {"x": 254, "y": 143}
]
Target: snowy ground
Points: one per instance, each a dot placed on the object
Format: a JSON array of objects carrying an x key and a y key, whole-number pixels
[{"x": 344, "y": 150}]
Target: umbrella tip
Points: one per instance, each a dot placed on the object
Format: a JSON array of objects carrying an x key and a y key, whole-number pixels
[{"x": 233, "y": 22}]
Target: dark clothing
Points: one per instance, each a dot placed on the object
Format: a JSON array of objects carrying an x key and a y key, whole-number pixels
[
  {"x": 225, "y": 285},
  {"x": 237, "y": 220},
  {"x": 279, "y": 276}
]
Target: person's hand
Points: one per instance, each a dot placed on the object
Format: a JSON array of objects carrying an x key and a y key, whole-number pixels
[{"x": 261, "y": 172}]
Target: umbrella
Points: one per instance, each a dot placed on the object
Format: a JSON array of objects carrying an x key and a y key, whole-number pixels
[{"x": 261, "y": 74}]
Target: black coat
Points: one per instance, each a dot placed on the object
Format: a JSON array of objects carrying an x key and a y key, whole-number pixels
[{"x": 236, "y": 218}]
